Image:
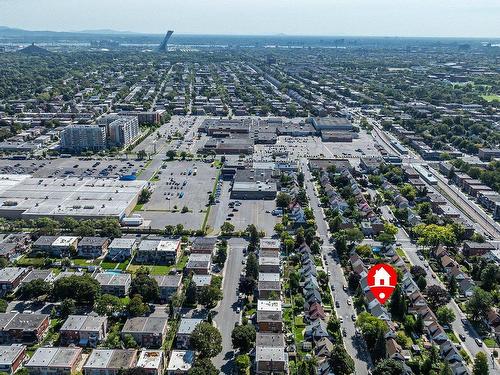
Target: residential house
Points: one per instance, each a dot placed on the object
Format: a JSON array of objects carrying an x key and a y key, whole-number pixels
[
  {"x": 17, "y": 328},
  {"x": 476, "y": 248},
  {"x": 148, "y": 332},
  {"x": 121, "y": 249},
  {"x": 55, "y": 361},
  {"x": 203, "y": 245},
  {"x": 169, "y": 286},
  {"x": 92, "y": 247},
  {"x": 117, "y": 284},
  {"x": 110, "y": 361},
  {"x": 158, "y": 251},
  {"x": 269, "y": 264},
  {"x": 269, "y": 316},
  {"x": 269, "y": 285},
  {"x": 11, "y": 358},
  {"x": 152, "y": 361},
  {"x": 180, "y": 362},
  {"x": 83, "y": 330},
  {"x": 186, "y": 328},
  {"x": 10, "y": 278},
  {"x": 199, "y": 264},
  {"x": 271, "y": 360},
  {"x": 39, "y": 274}
]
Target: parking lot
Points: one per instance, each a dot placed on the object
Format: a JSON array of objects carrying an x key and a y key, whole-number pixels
[
  {"x": 75, "y": 167},
  {"x": 180, "y": 184}
]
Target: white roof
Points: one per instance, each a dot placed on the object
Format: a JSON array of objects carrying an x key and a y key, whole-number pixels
[
  {"x": 150, "y": 359},
  {"x": 64, "y": 241},
  {"x": 180, "y": 360},
  {"x": 264, "y": 305}
]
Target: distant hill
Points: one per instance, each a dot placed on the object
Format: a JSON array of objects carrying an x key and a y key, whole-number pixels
[
  {"x": 34, "y": 50},
  {"x": 107, "y": 32}
]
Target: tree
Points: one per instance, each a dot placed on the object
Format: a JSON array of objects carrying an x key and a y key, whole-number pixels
[
  {"x": 340, "y": 361},
  {"x": 253, "y": 234},
  {"x": 129, "y": 341},
  {"x": 481, "y": 364},
  {"x": 417, "y": 271},
  {"x": 243, "y": 337},
  {"x": 34, "y": 289},
  {"x": 67, "y": 307},
  {"x": 171, "y": 154},
  {"x": 421, "y": 283},
  {"x": 490, "y": 276},
  {"x": 398, "y": 304},
  {"x": 136, "y": 307},
  {"x": 141, "y": 155},
  {"x": 221, "y": 255},
  {"x": 206, "y": 340},
  {"x": 445, "y": 315},
  {"x": 453, "y": 286},
  {"x": 109, "y": 305},
  {"x": 191, "y": 293},
  {"x": 203, "y": 366},
  {"x": 145, "y": 285},
  {"x": 388, "y": 367},
  {"x": 283, "y": 200},
  {"x": 372, "y": 328},
  {"x": 144, "y": 196},
  {"x": 242, "y": 363},
  {"x": 83, "y": 289},
  {"x": 209, "y": 296},
  {"x": 227, "y": 228},
  {"x": 353, "y": 280},
  {"x": 252, "y": 267},
  {"x": 479, "y": 304},
  {"x": 247, "y": 285},
  {"x": 437, "y": 296},
  {"x": 109, "y": 228}
]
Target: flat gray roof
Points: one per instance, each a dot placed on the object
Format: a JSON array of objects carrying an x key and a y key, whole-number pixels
[
  {"x": 8, "y": 354},
  {"x": 54, "y": 357},
  {"x": 83, "y": 323},
  {"x": 145, "y": 325}
]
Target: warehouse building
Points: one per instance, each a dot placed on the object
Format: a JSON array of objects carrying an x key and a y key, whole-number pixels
[{"x": 26, "y": 197}]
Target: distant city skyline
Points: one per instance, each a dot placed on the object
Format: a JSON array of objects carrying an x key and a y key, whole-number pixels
[{"x": 404, "y": 18}]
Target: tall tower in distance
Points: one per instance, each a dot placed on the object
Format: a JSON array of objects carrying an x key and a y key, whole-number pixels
[{"x": 163, "y": 45}]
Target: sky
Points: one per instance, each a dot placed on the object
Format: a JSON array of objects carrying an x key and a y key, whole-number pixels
[{"x": 445, "y": 18}]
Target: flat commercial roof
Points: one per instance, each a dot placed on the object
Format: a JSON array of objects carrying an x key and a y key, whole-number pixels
[
  {"x": 26, "y": 196},
  {"x": 180, "y": 360},
  {"x": 187, "y": 325}
]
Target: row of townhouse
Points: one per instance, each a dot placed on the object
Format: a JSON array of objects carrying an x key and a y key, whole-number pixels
[
  {"x": 154, "y": 250},
  {"x": 435, "y": 334},
  {"x": 72, "y": 360},
  {"x": 81, "y": 330},
  {"x": 270, "y": 355},
  {"x": 316, "y": 333},
  {"x": 199, "y": 266}
]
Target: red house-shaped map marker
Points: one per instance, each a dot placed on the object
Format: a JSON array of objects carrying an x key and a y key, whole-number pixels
[{"x": 382, "y": 279}]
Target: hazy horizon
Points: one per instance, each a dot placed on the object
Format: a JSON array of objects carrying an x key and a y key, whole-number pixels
[{"x": 384, "y": 18}]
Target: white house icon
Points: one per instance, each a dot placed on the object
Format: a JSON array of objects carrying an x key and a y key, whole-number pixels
[{"x": 382, "y": 277}]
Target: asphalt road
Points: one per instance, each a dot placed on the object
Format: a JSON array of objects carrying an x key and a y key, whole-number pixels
[
  {"x": 354, "y": 344},
  {"x": 226, "y": 315}
]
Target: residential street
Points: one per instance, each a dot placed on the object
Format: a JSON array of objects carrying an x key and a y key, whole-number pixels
[
  {"x": 354, "y": 344},
  {"x": 226, "y": 315}
]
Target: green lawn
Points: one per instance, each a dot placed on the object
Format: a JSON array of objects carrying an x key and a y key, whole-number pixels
[
  {"x": 35, "y": 262},
  {"x": 453, "y": 337},
  {"x": 489, "y": 342},
  {"x": 400, "y": 252},
  {"x": 160, "y": 269},
  {"x": 491, "y": 98}
]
